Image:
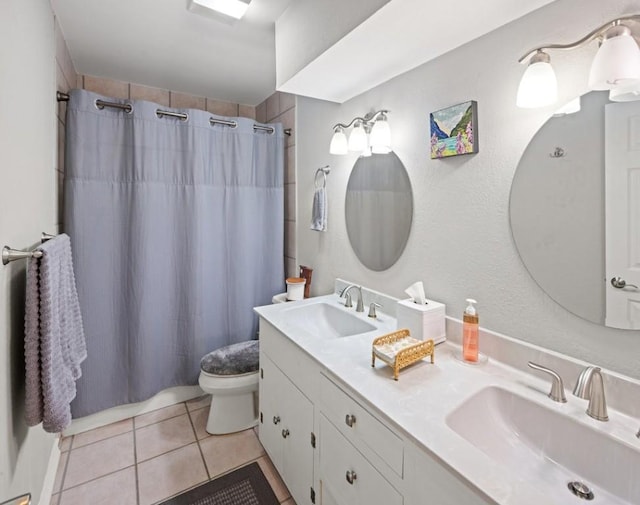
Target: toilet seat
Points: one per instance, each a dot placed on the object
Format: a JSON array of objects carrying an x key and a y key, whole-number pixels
[{"x": 211, "y": 383}]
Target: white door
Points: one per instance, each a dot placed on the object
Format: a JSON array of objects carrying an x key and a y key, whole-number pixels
[{"x": 622, "y": 208}]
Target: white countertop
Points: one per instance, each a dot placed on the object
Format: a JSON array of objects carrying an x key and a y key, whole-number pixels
[{"x": 419, "y": 402}]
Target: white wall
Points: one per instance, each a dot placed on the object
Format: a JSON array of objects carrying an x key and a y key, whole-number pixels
[
  {"x": 461, "y": 243},
  {"x": 27, "y": 207},
  {"x": 308, "y": 27}
]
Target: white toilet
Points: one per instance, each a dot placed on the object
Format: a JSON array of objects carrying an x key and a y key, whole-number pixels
[{"x": 230, "y": 376}]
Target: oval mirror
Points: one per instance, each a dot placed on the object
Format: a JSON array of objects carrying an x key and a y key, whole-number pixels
[
  {"x": 575, "y": 210},
  {"x": 378, "y": 210}
]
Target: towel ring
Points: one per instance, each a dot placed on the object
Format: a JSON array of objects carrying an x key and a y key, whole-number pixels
[{"x": 324, "y": 171}]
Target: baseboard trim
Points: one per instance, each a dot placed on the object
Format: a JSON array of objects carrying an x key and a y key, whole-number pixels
[{"x": 50, "y": 476}]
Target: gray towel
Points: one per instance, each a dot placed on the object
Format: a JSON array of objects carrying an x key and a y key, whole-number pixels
[
  {"x": 54, "y": 337},
  {"x": 319, "y": 210}
]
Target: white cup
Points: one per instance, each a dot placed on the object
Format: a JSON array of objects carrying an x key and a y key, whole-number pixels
[{"x": 295, "y": 288}]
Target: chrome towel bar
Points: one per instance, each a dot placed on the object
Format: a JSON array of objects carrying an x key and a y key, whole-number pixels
[{"x": 9, "y": 255}]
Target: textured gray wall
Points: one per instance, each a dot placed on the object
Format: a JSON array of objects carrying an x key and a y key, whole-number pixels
[
  {"x": 27, "y": 207},
  {"x": 461, "y": 243}
]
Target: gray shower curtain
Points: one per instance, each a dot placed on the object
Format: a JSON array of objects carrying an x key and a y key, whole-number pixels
[{"x": 177, "y": 233}]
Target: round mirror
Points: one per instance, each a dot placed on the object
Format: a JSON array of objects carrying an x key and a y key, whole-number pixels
[
  {"x": 575, "y": 213},
  {"x": 379, "y": 210}
]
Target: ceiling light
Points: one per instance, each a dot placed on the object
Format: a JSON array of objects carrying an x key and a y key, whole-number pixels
[
  {"x": 538, "y": 86},
  {"x": 617, "y": 63},
  {"x": 232, "y": 8},
  {"x": 373, "y": 124}
]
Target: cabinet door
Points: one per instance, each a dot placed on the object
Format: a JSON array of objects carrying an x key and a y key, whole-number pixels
[
  {"x": 269, "y": 430},
  {"x": 285, "y": 430},
  {"x": 428, "y": 480},
  {"x": 347, "y": 477},
  {"x": 298, "y": 452}
]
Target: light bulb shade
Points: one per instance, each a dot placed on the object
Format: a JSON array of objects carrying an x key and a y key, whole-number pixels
[
  {"x": 538, "y": 86},
  {"x": 357, "y": 139},
  {"x": 617, "y": 62},
  {"x": 339, "y": 144},
  {"x": 628, "y": 93},
  {"x": 380, "y": 138}
]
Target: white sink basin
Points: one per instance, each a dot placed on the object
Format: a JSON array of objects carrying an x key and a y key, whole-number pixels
[
  {"x": 547, "y": 446},
  {"x": 326, "y": 321}
]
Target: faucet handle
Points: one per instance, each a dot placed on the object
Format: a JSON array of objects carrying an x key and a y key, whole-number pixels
[
  {"x": 347, "y": 301},
  {"x": 372, "y": 309},
  {"x": 557, "y": 387}
]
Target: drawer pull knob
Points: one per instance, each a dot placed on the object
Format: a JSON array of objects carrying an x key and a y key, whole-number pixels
[
  {"x": 285, "y": 433},
  {"x": 350, "y": 419},
  {"x": 351, "y": 476},
  {"x": 276, "y": 419}
]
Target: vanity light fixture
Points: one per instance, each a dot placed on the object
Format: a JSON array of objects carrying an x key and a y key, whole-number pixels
[
  {"x": 616, "y": 66},
  {"x": 370, "y": 133}
]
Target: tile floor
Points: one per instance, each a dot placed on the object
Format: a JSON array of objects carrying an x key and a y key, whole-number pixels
[{"x": 151, "y": 457}]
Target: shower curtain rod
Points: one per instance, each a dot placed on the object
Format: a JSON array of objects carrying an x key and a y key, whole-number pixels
[{"x": 101, "y": 104}]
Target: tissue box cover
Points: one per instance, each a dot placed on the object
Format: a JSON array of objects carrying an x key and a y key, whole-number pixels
[{"x": 423, "y": 321}]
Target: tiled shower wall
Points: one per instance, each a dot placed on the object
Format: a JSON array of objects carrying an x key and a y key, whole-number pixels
[{"x": 279, "y": 107}]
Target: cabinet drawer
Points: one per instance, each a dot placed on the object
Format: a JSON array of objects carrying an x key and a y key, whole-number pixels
[
  {"x": 346, "y": 476},
  {"x": 360, "y": 427}
]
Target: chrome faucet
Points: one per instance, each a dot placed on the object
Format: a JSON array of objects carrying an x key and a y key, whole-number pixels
[
  {"x": 591, "y": 386},
  {"x": 347, "y": 296}
]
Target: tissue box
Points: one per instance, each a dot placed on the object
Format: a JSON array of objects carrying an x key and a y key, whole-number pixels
[{"x": 423, "y": 321}]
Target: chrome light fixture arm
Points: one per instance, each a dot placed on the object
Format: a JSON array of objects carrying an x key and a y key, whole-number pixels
[
  {"x": 595, "y": 34},
  {"x": 367, "y": 120}
]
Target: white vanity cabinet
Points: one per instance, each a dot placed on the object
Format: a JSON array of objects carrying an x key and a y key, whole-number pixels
[
  {"x": 430, "y": 482},
  {"x": 346, "y": 476},
  {"x": 359, "y": 457},
  {"x": 285, "y": 429},
  {"x": 286, "y": 413}
]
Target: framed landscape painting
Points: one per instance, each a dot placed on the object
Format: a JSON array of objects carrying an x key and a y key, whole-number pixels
[{"x": 454, "y": 130}]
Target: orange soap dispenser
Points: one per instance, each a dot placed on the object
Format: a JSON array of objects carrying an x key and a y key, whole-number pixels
[{"x": 470, "y": 332}]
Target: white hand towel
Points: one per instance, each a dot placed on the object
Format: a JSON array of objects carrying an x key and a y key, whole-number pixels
[{"x": 319, "y": 210}]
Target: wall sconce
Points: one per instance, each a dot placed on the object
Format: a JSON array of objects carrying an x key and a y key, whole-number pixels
[
  {"x": 616, "y": 66},
  {"x": 370, "y": 133}
]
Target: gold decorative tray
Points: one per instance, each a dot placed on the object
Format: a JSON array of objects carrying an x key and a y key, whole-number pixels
[{"x": 399, "y": 350}]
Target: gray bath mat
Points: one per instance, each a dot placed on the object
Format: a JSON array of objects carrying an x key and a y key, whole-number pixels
[{"x": 245, "y": 486}]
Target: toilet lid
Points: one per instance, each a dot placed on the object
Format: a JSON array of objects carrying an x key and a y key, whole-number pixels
[{"x": 234, "y": 359}]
